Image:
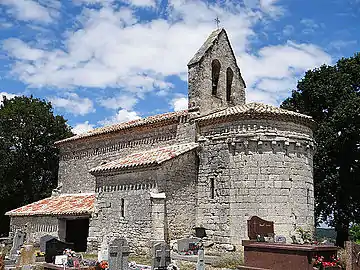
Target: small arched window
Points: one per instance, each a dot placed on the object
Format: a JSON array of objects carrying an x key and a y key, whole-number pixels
[
  {"x": 215, "y": 69},
  {"x": 229, "y": 79}
]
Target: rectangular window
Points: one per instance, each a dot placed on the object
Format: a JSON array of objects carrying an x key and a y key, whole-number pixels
[
  {"x": 122, "y": 208},
  {"x": 308, "y": 196},
  {"x": 212, "y": 188}
]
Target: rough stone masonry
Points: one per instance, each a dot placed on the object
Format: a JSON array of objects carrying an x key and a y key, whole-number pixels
[{"x": 212, "y": 166}]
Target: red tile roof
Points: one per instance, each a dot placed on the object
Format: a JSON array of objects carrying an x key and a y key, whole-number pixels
[
  {"x": 171, "y": 116},
  {"x": 259, "y": 110},
  {"x": 146, "y": 158},
  {"x": 66, "y": 204}
]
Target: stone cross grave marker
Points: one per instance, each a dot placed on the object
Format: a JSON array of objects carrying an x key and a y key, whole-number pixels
[
  {"x": 43, "y": 241},
  {"x": 201, "y": 260},
  {"x": 18, "y": 241},
  {"x": 119, "y": 254},
  {"x": 161, "y": 256},
  {"x": 259, "y": 227}
]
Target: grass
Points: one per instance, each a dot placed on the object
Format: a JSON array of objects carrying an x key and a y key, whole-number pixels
[
  {"x": 230, "y": 261},
  {"x": 140, "y": 259},
  {"x": 89, "y": 256}
]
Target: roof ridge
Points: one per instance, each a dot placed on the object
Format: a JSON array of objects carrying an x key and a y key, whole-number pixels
[
  {"x": 151, "y": 119},
  {"x": 148, "y": 157},
  {"x": 209, "y": 42}
]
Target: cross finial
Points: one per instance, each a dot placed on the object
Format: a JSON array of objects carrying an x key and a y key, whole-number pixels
[{"x": 217, "y": 21}]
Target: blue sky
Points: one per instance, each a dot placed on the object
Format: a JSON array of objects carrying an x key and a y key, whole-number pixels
[{"x": 106, "y": 61}]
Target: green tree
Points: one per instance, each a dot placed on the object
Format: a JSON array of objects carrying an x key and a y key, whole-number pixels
[
  {"x": 330, "y": 94},
  {"x": 28, "y": 157}
]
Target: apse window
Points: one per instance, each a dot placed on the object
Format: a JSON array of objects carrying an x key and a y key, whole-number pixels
[{"x": 215, "y": 75}]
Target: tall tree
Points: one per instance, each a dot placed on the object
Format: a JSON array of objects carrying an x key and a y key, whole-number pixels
[
  {"x": 28, "y": 157},
  {"x": 331, "y": 95}
]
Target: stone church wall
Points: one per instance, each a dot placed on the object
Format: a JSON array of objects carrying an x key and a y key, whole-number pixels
[
  {"x": 176, "y": 178},
  {"x": 135, "y": 223},
  {"x": 180, "y": 180},
  {"x": 77, "y": 158},
  {"x": 39, "y": 226},
  {"x": 261, "y": 168}
]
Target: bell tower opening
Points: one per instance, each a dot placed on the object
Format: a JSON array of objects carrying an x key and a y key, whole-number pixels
[
  {"x": 229, "y": 79},
  {"x": 215, "y": 67}
]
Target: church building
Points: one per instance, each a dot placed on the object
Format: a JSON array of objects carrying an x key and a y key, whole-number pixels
[{"x": 206, "y": 169}]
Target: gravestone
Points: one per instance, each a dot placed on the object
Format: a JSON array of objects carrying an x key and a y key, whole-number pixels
[
  {"x": 161, "y": 256},
  {"x": 188, "y": 244},
  {"x": 258, "y": 227},
  {"x": 18, "y": 241},
  {"x": 119, "y": 254},
  {"x": 55, "y": 247},
  {"x": 43, "y": 241},
  {"x": 201, "y": 260},
  {"x": 27, "y": 256}
]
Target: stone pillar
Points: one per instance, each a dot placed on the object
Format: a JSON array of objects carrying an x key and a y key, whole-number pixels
[
  {"x": 158, "y": 216},
  {"x": 62, "y": 229}
]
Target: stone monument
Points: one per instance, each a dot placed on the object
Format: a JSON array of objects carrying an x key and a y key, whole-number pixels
[
  {"x": 119, "y": 254},
  {"x": 161, "y": 256}
]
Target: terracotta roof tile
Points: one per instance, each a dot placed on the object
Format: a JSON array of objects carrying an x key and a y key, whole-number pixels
[
  {"x": 66, "y": 204},
  {"x": 146, "y": 158},
  {"x": 127, "y": 125},
  {"x": 256, "y": 109}
]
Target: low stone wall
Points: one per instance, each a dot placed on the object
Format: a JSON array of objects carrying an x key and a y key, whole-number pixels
[{"x": 39, "y": 226}]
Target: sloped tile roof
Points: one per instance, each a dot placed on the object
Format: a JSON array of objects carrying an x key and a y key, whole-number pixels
[
  {"x": 66, "y": 204},
  {"x": 171, "y": 116},
  {"x": 206, "y": 46},
  {"x": 146, "y": 158},
  {"x": 256, "y": 110}
]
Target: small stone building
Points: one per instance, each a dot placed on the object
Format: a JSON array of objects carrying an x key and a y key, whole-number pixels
[{"x": 163, "y": 177}]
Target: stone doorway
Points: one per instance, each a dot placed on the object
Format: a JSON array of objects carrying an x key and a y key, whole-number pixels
[{"x": 77, "y": 231}]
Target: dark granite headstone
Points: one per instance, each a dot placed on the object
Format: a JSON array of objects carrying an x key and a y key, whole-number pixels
[
  {"x": 43, "y": 241},
  {"x": 55, "y": 247},
  {"x": 118, "y": 254},
  {"x": 259, "y": 227},
  {"x": 161, "y": 256}
]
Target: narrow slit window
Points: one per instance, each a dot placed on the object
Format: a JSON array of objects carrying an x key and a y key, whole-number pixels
[
  {"x": 212, "y": 188},
  {"x": 229, "y": 79},
  {"x": 308, "y": 196},
  {"x": 122, "y": 208},
  {"x": 215, "y": 67}
]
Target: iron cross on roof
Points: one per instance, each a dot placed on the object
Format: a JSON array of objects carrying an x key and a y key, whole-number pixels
[{"x": 217, "y": 21}]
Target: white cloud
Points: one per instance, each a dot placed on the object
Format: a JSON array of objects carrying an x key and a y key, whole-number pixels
[
  {"x": 121, "y": 116},
  {"x": 21, "y": 50},
  {"x": 122, "y": 101},
  {"x": 29, "y": 10},
  {"x": 7, "y": 95},
  {"x": 72, "y": 103},
  {"x": 142, "y": 3},
  {"x": 82, "y": 128},
  {"x": 112, "y": 49},
  {"x": 179, "y": 103},
  {"x": 273, "y": 72}
]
